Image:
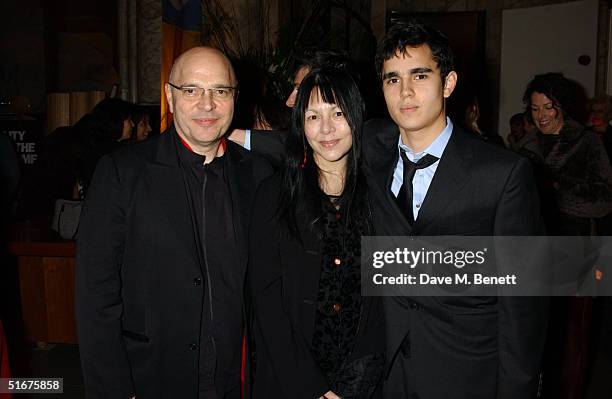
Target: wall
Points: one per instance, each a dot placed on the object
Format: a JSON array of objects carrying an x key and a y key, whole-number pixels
[
  {"x": 22, "y": 51},
  {"x": 80, "y": 42},
  {"x": 545, "y": 39}
]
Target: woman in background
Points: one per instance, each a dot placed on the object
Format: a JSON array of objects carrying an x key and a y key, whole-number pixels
[
  {"x": 575, "y": 183},
  {"x": 315, "y": 335},
  {"x": 100, "y": 132},
  {"x": 571, "y": 157}
]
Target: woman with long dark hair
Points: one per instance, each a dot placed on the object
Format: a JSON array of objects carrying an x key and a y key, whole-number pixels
[{"x": 315, "y": 336}]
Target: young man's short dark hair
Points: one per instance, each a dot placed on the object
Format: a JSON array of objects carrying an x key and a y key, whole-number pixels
[{"x": 413, "y": 34}]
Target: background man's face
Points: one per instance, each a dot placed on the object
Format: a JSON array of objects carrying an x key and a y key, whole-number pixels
[
  {"x": 202, "y": 121},
  {"x": 299, "y": 76},
  {"x": 516, "y": 128},
  {"x": 414, "y": 91},
  {"x": 599, "y": 116},
  {"x": 529, "y": 127}
]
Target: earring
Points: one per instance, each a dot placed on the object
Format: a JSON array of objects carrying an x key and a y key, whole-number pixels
[{"x": 304, "y": 160}]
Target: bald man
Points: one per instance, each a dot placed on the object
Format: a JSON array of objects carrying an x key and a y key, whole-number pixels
[{"x": 161, "y": 250}]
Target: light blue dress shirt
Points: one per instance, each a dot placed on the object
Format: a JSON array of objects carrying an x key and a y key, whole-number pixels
[
  {"x": 422, "y": 177},
  {"x": 247, "y": 139}
]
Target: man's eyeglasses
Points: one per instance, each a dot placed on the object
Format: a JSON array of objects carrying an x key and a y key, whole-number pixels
[{"x": 218, "y": 93}]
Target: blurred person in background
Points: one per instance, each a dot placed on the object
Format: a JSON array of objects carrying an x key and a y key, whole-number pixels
[
  {"x": 117, "y": 113},
  {"x": 523, "y": 137},
  {"x": 517, "y": 134},
  {"x": 313, "y": 59},
  {"x": 464, "y": 108},
  {"x": 100, "y": 132},
  {"x": 600, "y": 114},
  {"x": 571, "y": 156},
  {"x": 258, "y": 106},
  {"x": 575, "y": 181},
  {"x": 69, "y": 155},
  {"x": 141, "y": 121}
]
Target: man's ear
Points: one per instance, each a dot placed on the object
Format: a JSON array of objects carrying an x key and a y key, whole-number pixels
[
  {"x": 168, "y": 91},
  {"x": 450, "y": 83}
]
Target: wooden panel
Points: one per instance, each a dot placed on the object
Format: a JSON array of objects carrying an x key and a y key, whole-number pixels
[
  {"x": 59, "y": 299},
  {"x": 32, "y": 286},
  {"x": 46, "y": 282},
  {"x": 48, "y": 249},
  {"x": 58, "y": 111}
]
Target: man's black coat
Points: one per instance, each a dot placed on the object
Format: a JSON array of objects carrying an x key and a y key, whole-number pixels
[{"x": 140, "y": 285}]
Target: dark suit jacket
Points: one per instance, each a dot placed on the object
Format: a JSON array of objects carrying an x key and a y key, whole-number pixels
[
  {"x": 138, "y": 296},
  {"x": 283, "y": 281},
  {"x": 270, "y": 144},
  {"x": 460, "y": 347}
]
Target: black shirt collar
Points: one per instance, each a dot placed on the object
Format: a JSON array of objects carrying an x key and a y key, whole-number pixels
[{"x": 195, "y": 161}]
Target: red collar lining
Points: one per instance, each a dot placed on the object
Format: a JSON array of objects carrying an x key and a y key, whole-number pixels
[{"x": 223, "y": 144}]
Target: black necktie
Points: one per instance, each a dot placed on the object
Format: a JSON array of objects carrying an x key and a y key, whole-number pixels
[{"x": 404, "y": 196}]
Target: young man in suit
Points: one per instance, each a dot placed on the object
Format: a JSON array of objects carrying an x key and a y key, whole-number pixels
[
  {"x": 448, "y": 347},
  {"x": 162, "y": 251}
]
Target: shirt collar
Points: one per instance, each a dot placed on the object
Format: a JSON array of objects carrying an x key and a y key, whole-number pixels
[
  {"x": 193, "y": 156},
  {"x": 196, "y": 161},
  {"x": 187, "y": 154},
  {"x": 436, "y": 148}
]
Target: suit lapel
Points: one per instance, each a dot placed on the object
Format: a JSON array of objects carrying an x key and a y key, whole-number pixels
[
  {"x": 240, "y": 180},
  {"x": 451, "y": 176},
  {"x": 165, "y": 177},
  {"x": 385, "y": 155}
]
